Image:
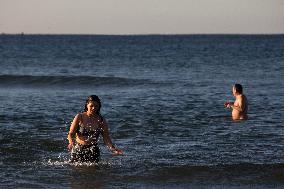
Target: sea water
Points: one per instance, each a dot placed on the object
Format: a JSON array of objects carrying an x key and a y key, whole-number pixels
[{"x": 162, "y": 96}]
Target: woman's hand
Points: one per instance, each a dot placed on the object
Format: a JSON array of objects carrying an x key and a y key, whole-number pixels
[
  {"x": 117, "y": 152},
  {"x": 70, "y": 146}
]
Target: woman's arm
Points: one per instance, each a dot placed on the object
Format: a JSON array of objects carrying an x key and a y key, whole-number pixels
[
  {"x": 72, "y": 131},
  {"x": 107, "y": 140}
]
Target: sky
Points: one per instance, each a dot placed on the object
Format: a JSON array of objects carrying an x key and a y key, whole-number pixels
[{"x": 142, "y": 16}]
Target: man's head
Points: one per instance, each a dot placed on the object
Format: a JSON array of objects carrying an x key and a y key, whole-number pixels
[{"x": 237, "y": 89}]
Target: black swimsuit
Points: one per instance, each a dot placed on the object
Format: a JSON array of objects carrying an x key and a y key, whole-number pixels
[{"x": 87, "y": 153}]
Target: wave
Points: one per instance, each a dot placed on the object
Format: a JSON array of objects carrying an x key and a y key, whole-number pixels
[
  {"x": 235, "y": 174},
  {"x": 67, "y": 81},
  {"x": 243, "y": 174}
]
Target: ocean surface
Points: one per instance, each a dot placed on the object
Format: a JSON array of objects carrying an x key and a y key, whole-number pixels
[{"x": 162, "y": 96}]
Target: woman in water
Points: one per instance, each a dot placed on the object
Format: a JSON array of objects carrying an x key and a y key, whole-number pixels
[{"x": 87, "y": 127}]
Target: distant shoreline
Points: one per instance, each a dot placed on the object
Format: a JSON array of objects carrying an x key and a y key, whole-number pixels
[{"x": 154, "y": 34}]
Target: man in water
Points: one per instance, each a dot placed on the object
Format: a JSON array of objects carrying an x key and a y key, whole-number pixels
[{"x": 240, "y": 106}]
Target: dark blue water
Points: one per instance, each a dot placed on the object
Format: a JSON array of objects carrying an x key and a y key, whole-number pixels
[{"x": 163, "y": 99}]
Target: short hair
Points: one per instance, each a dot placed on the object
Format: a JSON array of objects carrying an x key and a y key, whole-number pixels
[{"x": 239, "y": 88}]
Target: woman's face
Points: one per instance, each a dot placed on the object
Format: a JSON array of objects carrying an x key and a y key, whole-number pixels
[{"x": 93, "y": 107}]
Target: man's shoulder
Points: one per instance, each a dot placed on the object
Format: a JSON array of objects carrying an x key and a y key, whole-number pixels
[{"x": 243, "y": 98}]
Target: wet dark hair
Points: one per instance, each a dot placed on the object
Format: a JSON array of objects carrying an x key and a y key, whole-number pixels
[
  {"x": 93, "y": 98},
  {"x": 239, "y": 88}
]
